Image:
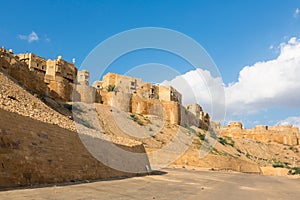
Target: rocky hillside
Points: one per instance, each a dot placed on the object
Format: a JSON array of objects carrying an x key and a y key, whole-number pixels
[
  {"x": 14, "y": 98},
  {"x": 169, "y": 144},
  {"x": 244, "y": 155}
]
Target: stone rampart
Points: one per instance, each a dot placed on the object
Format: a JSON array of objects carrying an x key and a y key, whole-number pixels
[
  {"x": 285, "y": 134},
  {"x": 33, "y": 152}
]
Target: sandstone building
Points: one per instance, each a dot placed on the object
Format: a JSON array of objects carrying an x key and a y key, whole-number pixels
[
  {"x": 285, "y": 134},
  {"x": 54, "y": 78},
  {"x": 62, "y": 81},
  {"x": 133, "y": 95}
]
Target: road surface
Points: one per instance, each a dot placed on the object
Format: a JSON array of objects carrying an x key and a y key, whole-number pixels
[{"x": 174, "y": 184}]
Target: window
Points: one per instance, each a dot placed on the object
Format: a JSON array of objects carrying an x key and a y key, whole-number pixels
[{"x": 132, "y": 83}]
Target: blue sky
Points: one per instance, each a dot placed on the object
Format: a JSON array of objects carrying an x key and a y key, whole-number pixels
[{"x": 236, "y": 33}]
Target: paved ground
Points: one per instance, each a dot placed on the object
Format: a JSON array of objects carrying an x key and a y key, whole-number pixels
[{"x": 175, "y": 184}]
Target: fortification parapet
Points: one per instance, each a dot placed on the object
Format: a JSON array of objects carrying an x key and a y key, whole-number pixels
[
  {"x": 168, "y": 93},
  {"x": 83, "y": 77},
  {"x": 236, "y": 125},
  {"x": 132, "y": 95},
  {"x": 285, "y": 134},
  {"x": 260, "y": 128}
]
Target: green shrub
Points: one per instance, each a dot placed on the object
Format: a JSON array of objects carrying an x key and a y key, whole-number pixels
[
  {"x": 229, "y": 141},
  {"x": 150, "y": 129},
  {"x": 189, "y": 128},
  {"x": 278, "y": 165},
  {"x": 226, "y": 141},
  {"x": 133, "y": 117},
  {"x": 137, "y": 120},
  {"x": 222, "y": 141},
  {"x": 212, "y": 134},
  {"x": 201, "y": 136},
  {"x": 111, "y": 88},
  {"x": 140, "y": 123},
  {"x": 248, "y": 155},
  {"x": 68, "y": 106},
  {"x": 42, "y": 97},
  {"x": 87, "y": 124},
  {"x": 294, "y": 170}
]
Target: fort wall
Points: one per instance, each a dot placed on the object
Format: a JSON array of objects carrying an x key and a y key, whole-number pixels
[
  {"x": 54, "y": 78},
  {"x": 193, "y": 115},
  {"x": 60, "y": 80},
  {"x": 132, "y": 95},
  {"x": 86, "y": 94},
  {"x": 30, "y": 79},
  {"x": 285, "y": 134},
  {"x": 33, "y": 152},
  {"x": 168, "y": 93},
  {"x": 122, "y": 83},
  {"x": 119, "y": 100}
]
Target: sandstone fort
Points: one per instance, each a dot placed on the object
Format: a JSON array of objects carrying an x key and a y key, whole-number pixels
[
  {"x": 62, "y": 81},
  {"x": 39, "y": 143}
]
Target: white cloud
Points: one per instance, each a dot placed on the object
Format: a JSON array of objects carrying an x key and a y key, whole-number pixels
[
  {"x": 267, "y": 84},
  {"x": 30, "y": 38},
  {"x": 290, "y": 120},
  {"x": 199, "y": 86},
  {"x": 193, "y": 85},
  {"x": 296, "y": 13}
]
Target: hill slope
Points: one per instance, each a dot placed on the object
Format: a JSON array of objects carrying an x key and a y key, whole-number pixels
[{"x": 14, "y": 98}]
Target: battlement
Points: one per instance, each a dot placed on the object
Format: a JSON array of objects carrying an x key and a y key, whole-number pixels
[
  {"x": 121, "y": 83},
  {"x": 169, "y": 93},
  {"x": 134, "y": 85},
  {"x": 131, "y": 94},
  {"x": 60, "y": 68},
  {"x": 51, "y": 68},
  {"x": 283, "y": 134},
  {"x": 197, "y": 111},
  {"x": 83, "y": 77},
  {"x": 54, "y": 78},
  {"x": 98, "y": 85},
  {"x": 33, "y": 61},
  {"x": 238, "y": 125}
]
